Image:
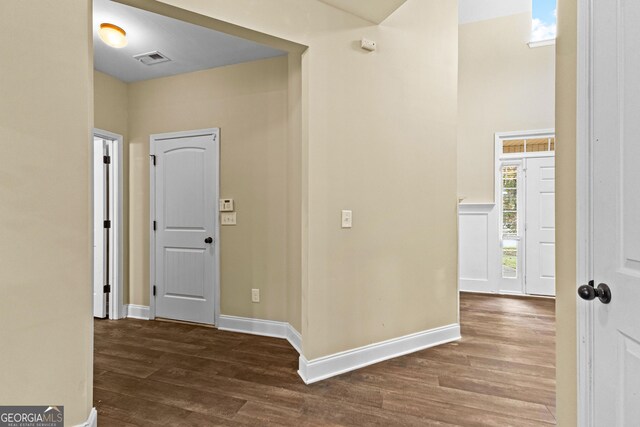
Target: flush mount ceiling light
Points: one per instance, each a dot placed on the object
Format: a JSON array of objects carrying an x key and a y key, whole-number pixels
[{"x": 112, "y": 35}]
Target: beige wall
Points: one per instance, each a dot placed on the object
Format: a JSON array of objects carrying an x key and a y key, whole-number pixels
[
  {"x": 249, "y": 102},
  {"x": 504, "y": 85},
  {"x": 377, "y": 128},
  {"x": 46, "y": 113},
  {"x": 110, "y": 100},
  {"x": 110, "y": 104},
  {"x": 566, "y": 214}
]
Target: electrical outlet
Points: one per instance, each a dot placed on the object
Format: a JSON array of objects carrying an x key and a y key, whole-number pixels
[
  {"x": 227, "y": 218},
  {"x": 255, "y": 295}
]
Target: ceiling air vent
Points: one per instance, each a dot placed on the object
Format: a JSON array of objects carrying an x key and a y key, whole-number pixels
[{"x": 152, "y": 58}]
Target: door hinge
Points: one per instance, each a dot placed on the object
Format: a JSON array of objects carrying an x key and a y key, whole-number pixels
[
  {"x": 107, "y": 223},
  {"x": 155, "y": 225},
  {"x": 154, "y": 290},
  {"x": 107, "y": 289},
  {"x": 107, "y": 160},
  {"x": 153, "y": 159}
]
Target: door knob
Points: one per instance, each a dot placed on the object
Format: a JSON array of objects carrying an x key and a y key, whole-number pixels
[
  {"x": 208, "y": 240},
  {"x": 589, "y": 292}
]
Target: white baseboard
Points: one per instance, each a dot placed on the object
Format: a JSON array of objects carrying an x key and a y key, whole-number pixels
[
  {"x": 268, "y": 328},
  {"x": 137, "y": 311},
  {"x": 294, "y": 338},
  {"x": 92, "y": 421},
  {"x": 325, "y": 367}
]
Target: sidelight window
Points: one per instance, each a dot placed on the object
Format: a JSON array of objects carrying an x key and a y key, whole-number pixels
[{"x": 510, "y": 219}]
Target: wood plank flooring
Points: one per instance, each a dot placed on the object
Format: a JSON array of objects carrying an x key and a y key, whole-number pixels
[{"x": 502, "y": 373}]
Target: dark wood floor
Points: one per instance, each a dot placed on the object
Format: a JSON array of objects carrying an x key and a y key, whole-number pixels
[{"x": 502, "y": 373}]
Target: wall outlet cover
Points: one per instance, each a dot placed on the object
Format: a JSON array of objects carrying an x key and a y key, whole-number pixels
[{"x": 227, "y": 218}]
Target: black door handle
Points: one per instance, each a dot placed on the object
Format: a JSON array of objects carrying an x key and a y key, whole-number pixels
[
  {"x": 589, "y": 292},
  {"x": 208, "y": 240}
]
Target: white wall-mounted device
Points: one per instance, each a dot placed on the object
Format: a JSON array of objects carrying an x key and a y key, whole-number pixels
[
  {"x": 367, "y": 44},
  {"x": 226, "y": 205}
]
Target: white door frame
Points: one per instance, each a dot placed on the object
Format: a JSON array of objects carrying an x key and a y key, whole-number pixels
[
  {"x": 584, "y": 310},
  {"x": 152, "y": 214},
  {"x": 116, "y": 307}
]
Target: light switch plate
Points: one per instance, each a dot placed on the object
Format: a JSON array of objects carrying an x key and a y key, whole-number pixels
[
  {"x": 227, "y": 218},
  {"x": 347, "y": 219},
  {"x": 226, "y": 205}
]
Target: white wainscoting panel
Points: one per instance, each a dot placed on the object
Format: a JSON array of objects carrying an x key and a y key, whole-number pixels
[
  {"x": 478, "y": 247},
  {"x": 322, "y": 368},
  {"x": 474, "y": 254}
]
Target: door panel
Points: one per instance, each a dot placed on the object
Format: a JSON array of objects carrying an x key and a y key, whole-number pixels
[
  {"x": 185, "y": 189},
  {"x": 541, "y": 228},
  {"x": 186, "y": 211},
  {"x": 629, "y": 379},
  {"x": 616, "y": 209},
  {"x": 180, "y": 261}
]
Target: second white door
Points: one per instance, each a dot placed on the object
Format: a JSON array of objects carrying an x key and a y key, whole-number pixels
[
  {"x": 185, "y": 176},
  {"x": 540, "y": 251}
]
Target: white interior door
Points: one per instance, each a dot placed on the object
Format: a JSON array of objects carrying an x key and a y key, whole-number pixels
[
  {"x": 540, "y": 252},
  {"x": 186, "y": 214},
  {"x": 616, "y": 211},
  {"x": 99, "y": 242}
]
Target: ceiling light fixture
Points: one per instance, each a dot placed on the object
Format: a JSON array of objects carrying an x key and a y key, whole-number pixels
[{"x": 112, "y": 35}]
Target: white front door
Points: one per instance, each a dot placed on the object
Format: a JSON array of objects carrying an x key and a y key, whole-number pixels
[
  {"x": 540, "y": 249},
  {"x": 186, "y": 186},
  {"x": 616, "y": 211}
]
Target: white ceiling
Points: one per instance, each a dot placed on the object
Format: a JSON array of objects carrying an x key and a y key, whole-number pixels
[
  {"x": 374, "y": 11},
  {"x": 481, "y": 10},
  {"x": 190, "y": 47}
]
